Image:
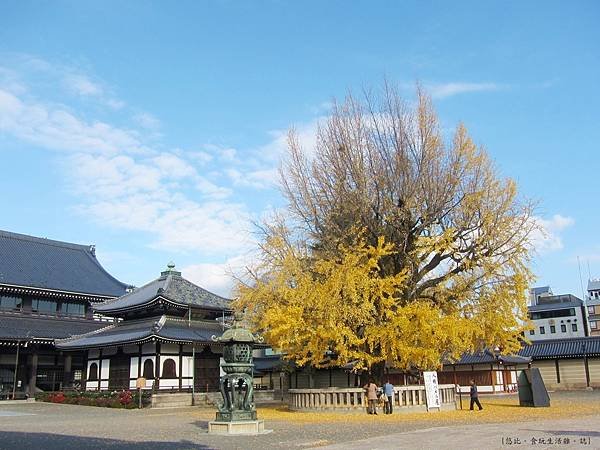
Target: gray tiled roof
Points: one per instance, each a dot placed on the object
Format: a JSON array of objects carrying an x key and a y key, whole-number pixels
[
  {"x": 61, "y": 266},
  {"x": 17, "y": 326},
  {"x": 170, "y": 286},
  {"x": 136, "y": 331},
  {"x": 487, "y": 357},
  {"x": 562, "y": 348}
]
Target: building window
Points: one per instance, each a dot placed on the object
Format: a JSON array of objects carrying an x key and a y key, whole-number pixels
[
  {"x": 593, "y": 324},
  {"x": 591, "y": 309},
  {"x": 10, "y": 302},
  {"x": 568, "y": 312},
  {"x": 563, "y": 328},
  {"x": 43, "y": 306},
  {"x": 552, "y": 329},
  {"x": 542, "y": 330},
  {"x": 73, "y": 309},
  {"x": 531, "y": 332},
  {"x": 148, "y": 373},
  {"x": 574, "y": 326},
  {"x": 169, "y": 370},
  {"x": 93, "y": 376}
]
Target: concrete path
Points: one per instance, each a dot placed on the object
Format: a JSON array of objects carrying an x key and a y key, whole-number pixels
[{"x": 582, "y": 433}]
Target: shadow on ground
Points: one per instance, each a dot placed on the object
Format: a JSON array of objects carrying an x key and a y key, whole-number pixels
[{"x": 17, "y": 441}]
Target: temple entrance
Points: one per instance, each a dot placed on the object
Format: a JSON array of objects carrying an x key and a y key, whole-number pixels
[
  {"x": 118, "y": 374},
  {"x": 207, "y": 374}
]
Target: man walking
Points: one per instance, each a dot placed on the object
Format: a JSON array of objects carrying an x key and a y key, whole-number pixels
[
  {"x": 474, "y": 396},
  {"x": 371, "y": 389},
  {"x": 388, "y": 391}
]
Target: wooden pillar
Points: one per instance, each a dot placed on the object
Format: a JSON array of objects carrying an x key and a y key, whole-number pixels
[
  {"x": 157, "y": 368},
  {"x": 99, "y": 369},
  {"x": 67, "y": 372},
  {"x": 493, "y": 378},
  {"x": 180, "y": 366},
  {"x": 587, "y": 370},
  {"x": 33, "y": 373},
  {"x": 139, "y": 374},
  {"x": 557, "y": 370}
]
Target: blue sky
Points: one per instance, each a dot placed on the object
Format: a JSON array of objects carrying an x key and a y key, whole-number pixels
[{"x": 154, "y": 129}]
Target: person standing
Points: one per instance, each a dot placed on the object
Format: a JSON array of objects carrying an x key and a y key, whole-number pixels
[
  {"x": 388, "y": 391},
  {"x": 474, "y": 396},
  {"x": 371, "y": 389}
]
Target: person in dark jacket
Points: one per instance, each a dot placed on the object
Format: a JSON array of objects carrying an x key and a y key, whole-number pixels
[{"x": 474, "y": 396}]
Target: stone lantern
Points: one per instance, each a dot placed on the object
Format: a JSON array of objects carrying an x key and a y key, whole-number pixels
[{"x": 237, "y": 414}]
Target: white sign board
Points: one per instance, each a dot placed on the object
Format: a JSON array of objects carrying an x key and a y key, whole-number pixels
[{"x": 431, "y": 389}]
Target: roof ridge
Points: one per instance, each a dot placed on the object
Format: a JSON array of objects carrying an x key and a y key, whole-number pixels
[
  {"x": 133, "y": 291},
  {"x": 45, "y": 241},
  {"x": 92, "y": 256},
  {"x": 77, "y": 336}
]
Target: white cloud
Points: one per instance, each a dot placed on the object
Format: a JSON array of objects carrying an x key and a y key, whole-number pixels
[
  {"x": 82, "y": 85},
  {"x": 147, "y": 121},
  {"x": 55, "y": 127},
  {"x": 444, "y": 90},
  {"x": 547, "y": 237},
  {"x": 173, "y": 166},
  {"x": 217, "y": 277}
]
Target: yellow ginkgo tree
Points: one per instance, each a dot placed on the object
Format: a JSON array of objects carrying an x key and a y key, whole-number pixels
[{"x": 396, "y": 246}]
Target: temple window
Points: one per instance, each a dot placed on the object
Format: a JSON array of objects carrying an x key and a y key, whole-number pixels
[
  {"x": 93, "y": 372},
  {"x": 148, "y": 369},
  {"x": 11, "y": 302},
  {"x": 42, "y": 305},
  {"x": 73, "y": 309},
  {"x": 169, "y": 370}
]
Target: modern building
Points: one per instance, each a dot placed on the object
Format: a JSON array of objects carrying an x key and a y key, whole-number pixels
[
  {"x": 162, "y": 332},
  {"x": 47, "y": 291},
  {"x": 556, "y": 316},
  {"x": 593, "y": 306}
]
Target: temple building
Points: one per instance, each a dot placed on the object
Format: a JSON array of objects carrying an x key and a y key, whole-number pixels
[
  {"x": 162, "y": 332},
  {"x": 47, "y": 291}
]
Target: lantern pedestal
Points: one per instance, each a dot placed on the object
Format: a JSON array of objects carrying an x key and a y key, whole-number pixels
[
  {"x": 237, "y": 427},
  {"x": 237, "y": 413}
]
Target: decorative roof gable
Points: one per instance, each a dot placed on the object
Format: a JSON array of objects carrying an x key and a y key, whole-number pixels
[{"x": 171, "y": 288}]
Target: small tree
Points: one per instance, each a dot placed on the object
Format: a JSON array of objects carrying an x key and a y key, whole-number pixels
[{"x": 396, "y": 247}]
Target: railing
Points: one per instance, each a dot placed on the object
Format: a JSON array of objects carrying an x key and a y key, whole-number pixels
[{"x": 356, "y": 398}]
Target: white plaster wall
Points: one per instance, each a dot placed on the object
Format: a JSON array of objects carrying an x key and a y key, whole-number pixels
[
  {"x": 188, "y": 366},
  {"x": 169, "y": 383},
  {"x": 92, "y": 385},
  {"x": 133, "y": 368}
]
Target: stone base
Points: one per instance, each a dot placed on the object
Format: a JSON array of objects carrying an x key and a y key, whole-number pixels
[
  {"x": 242, "y": 427},
  {"x": 235, "y": 416}
]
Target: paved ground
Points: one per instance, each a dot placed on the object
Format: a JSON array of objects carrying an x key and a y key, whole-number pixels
[
  {"x": 549, "y": 434},
  {"x": 50, "y": 426}
]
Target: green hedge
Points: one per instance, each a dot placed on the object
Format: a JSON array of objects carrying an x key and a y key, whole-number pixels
[{"x": 107, "y": 399}]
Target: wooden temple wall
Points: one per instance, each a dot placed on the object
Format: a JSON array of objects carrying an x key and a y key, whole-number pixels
[{"x": 164, "y": 366}]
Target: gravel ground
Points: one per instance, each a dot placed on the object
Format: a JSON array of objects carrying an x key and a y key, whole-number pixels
[{"x": 52, "y": 426}]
